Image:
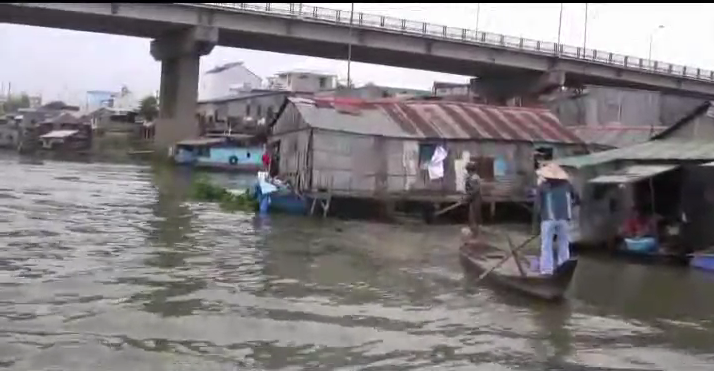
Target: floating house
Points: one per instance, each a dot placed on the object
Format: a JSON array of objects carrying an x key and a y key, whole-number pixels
[
  {"x": 381, "y": 149},
  {"x": 658, "y": 175},
  {"x": 228, "y": 152}
]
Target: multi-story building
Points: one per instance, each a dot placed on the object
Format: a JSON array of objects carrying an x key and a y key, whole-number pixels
[
  {"x": 303, "y": 81},
  {"x": 222, "y": 81}
]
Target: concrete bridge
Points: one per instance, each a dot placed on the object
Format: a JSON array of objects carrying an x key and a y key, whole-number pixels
[{"x": 506, "y": 66}]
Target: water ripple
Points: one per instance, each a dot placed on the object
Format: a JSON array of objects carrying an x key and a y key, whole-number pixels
[{"x": 110, "y": 267}]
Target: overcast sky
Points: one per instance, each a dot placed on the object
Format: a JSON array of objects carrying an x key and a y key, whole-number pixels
[{"x": 63, "y": 64}]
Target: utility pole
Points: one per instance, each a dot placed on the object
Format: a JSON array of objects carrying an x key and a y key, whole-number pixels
[
  {"x": 649, "y": 55},
  {"x": 560, "y": 26},
  {"x": 478, "y": 14},
  {"x": 585, "y": 33},
  {"x": 349, "y": 47}
]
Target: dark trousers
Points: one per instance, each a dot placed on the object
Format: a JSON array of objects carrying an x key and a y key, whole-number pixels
[{"x": 474, "y": 202}]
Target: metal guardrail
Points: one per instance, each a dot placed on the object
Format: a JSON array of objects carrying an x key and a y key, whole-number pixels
[{"x": 404, "y": 26}]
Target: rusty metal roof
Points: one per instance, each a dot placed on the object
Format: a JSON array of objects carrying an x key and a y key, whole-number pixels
[
  {"x": 434, "y": 119},
  {"x": 616, "y": 135}
]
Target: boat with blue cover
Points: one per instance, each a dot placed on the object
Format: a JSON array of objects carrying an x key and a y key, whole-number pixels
[{"x": 236, "y": 152}]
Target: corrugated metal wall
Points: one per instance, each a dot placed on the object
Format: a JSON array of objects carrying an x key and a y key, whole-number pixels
[
  {"x": 370, "y": 165},
  {"x": 603, "y": 105}
]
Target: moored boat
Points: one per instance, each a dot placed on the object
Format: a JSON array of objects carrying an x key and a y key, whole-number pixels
[
  {"x": 240, "y": 153},
  {"x": 508, "y": 276},
  {"x": 703, "y": 260}
]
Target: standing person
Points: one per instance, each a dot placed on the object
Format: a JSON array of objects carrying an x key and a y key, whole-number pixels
[
  {"x": 555, "y": 197},
  {"x": 473, "y": 197},
  {"x": 266, "y": 160}
]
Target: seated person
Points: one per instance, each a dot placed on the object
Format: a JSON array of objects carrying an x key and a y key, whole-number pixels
[{"x": 637, "y": 225}]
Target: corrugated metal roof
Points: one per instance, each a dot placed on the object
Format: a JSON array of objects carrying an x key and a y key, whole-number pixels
[
  {"x": 633, "y": 174},
  {"x": 201, "y": 141},
  {"x": 59, "y": 134},
  {"x": 221, "y": 68},
  {"x": 655, "y": 150},
  {"x": 434, "y": 119},
  {"x": 616, "y": 135}
]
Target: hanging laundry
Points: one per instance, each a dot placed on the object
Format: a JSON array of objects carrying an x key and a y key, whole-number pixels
[{"x": 436, "y": 165}]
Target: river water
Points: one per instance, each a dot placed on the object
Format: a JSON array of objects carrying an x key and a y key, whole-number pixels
[{"x": 109, "y": 267}]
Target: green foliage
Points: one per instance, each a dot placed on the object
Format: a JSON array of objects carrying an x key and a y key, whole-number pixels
[
  {"x": 16, "y": 102},
  {"x": 204, "y": 190},
  {"x": 149, "y": 108}
]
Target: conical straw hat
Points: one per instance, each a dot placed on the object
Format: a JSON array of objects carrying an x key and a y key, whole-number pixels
[{"x": 552, "y": 171}]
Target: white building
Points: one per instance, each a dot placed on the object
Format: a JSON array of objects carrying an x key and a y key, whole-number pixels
[
  {"x": 223, "y": 80},
  {"x": 303, "y": 81},
  {"x": 123, "y": 100}
]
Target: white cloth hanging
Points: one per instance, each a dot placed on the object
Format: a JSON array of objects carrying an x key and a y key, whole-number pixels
[{"x": 436, "y": 165}]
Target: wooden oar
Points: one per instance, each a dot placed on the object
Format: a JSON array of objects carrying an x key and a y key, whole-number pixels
[
  {"x": 515, "y": 257},
  {"x": 449, "y": 208},
  {"x": 505, "y": 259}
]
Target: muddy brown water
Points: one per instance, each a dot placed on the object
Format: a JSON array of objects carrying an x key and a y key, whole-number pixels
[{"x": 110, "y": 267}]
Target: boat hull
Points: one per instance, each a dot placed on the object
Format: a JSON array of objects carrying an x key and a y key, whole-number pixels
[
  {"x": 550, "y": 288},
  {"x": 703, "y": 262}
]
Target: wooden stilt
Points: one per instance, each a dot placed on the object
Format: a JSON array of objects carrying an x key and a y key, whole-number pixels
[
  {"x": 326, "y": 205},
  {"x": 312, "y": 208}
]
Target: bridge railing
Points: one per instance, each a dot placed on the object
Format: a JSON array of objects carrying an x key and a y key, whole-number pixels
[{"x": 362, "y": 20}]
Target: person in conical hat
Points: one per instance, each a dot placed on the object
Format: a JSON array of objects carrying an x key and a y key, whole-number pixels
[
  {"x": 555, "y": 197},
  {"x": 552, "y": 171}
]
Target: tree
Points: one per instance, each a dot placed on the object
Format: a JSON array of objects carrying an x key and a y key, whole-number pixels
[
  {"x": 14, "y": 103},
  {"x": 149, "y": 108}
]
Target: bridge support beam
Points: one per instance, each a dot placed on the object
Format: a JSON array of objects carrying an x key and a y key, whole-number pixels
[
  {"x": 179, "y": 53},
  {"x": 527, "y": 86}
]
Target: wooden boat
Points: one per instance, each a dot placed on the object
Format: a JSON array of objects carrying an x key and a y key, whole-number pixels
[{"x": 552, "y": 288}]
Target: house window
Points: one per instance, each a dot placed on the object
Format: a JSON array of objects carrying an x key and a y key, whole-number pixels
[
  {"x": 485, "y": 167},
  {"x": 323, "y": 82},
  {"x": 247, "y": 110},
  {"x": 203, "y": 151},
  {"x": 426, "y": 151},
  {"x": 270, "y": 113},
  {"x": 259, "y": 111}
]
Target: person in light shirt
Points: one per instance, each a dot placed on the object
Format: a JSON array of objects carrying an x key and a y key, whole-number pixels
[{"x": 555, "y": 197}]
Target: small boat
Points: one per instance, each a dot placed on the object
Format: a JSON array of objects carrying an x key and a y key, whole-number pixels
[
  {"x": 551, "y": 288},
  {"x": 703, "y": 260},
  {"x": 278, "y": 197},
  {"x": 647, "y": 250}
]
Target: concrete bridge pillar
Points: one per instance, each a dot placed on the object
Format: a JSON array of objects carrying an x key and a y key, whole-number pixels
[
  {"x": 529, "y": 86},
  {"x": 179, "y": 53}
]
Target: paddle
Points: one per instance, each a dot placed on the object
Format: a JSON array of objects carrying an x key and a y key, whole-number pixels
[
  {"x": 448, "y": 208},
  {"x": 515, "y": 257},
  {"x": 505, "y": 258}
]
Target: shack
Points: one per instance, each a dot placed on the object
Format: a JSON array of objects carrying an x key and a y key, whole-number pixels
[
  {"x": 66, "y": 132},
  {"x": 656, "y": 173},
  {"x": 381, "y": 149}
]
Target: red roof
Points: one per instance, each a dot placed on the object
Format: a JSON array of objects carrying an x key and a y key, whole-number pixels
[{"x": 448, "y": 119}]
